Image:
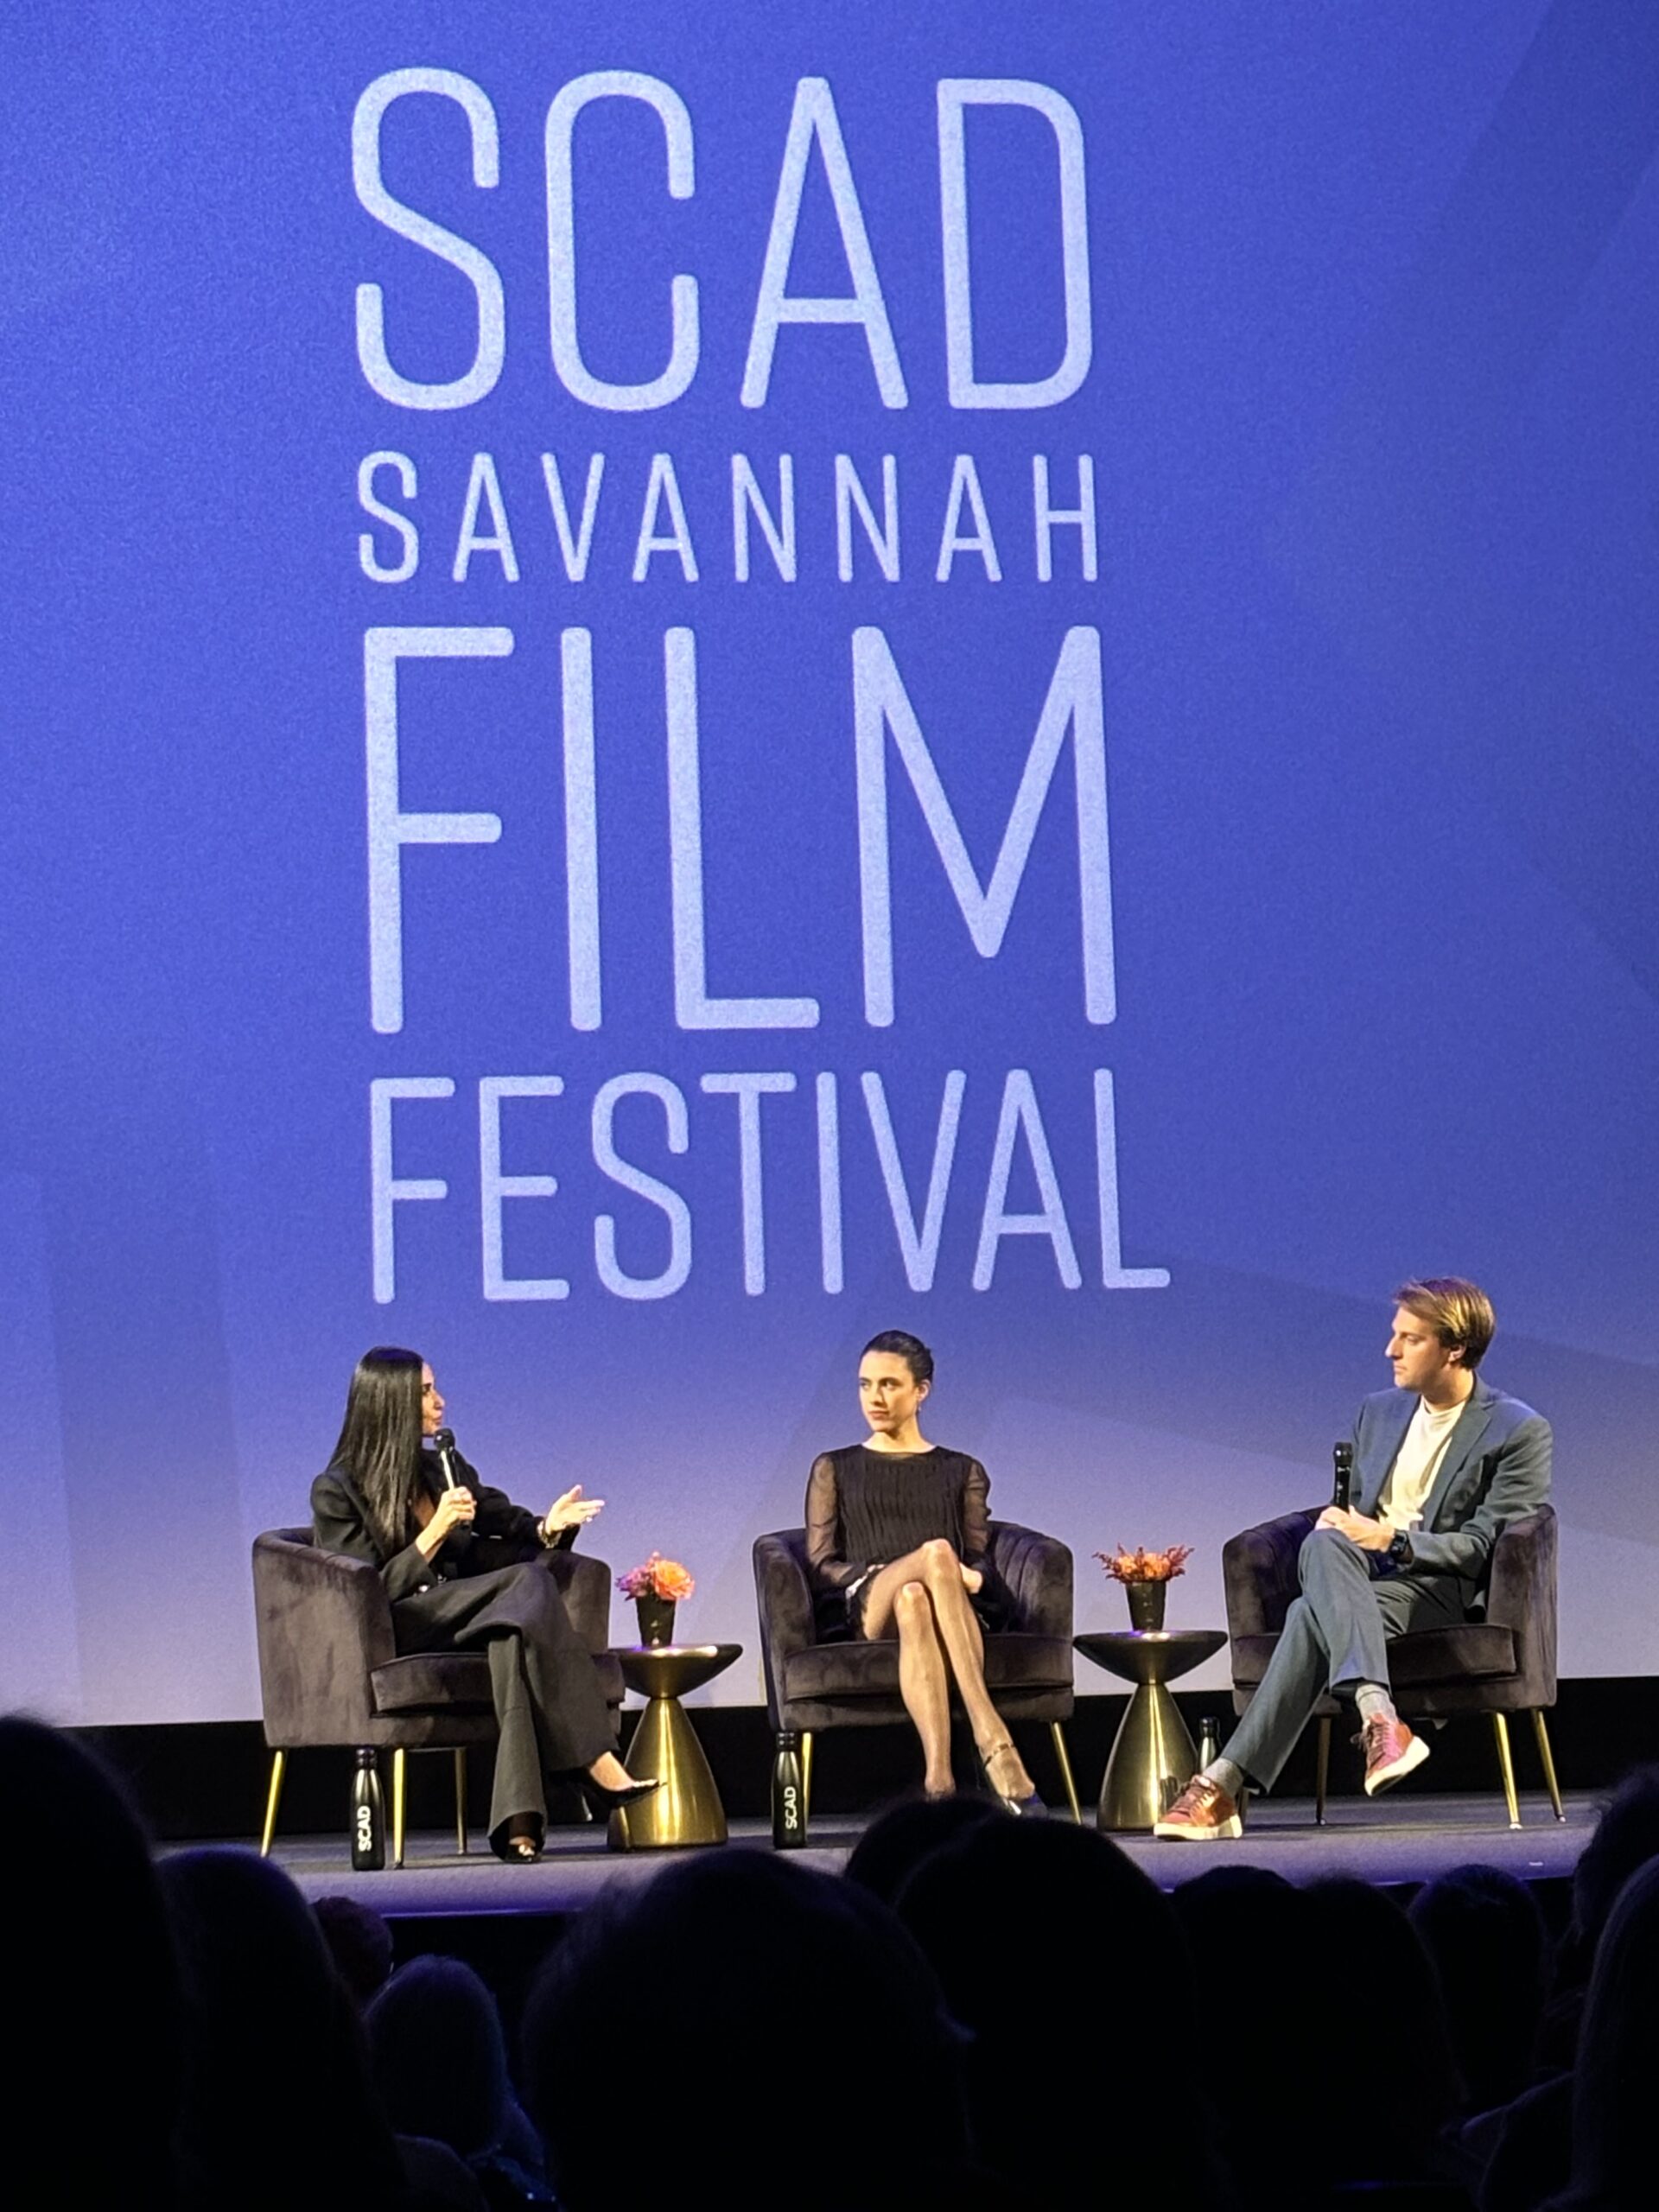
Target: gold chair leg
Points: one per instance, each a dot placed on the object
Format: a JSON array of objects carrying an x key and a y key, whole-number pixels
[
  {"x": 1321, "y": 1772},
  {"x": 1501, "y": 1730},
  {"x": 1063, "y": 1757},
  {"x": 399, "y": 1766},
  {"x": 1547, "y": 1758},
  {"x": 461, "y": 1800},
  {"x": 273, "y": 1798},
  {"x": 806, "y": 1776}
]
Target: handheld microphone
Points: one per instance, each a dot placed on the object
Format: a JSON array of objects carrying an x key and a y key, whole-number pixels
[
  {"x": 1342, "y": 1484},
  {"x": 443, "y": 1443}
]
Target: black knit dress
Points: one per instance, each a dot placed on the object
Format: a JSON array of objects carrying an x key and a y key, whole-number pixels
[{"x": 866, "y": 1509}]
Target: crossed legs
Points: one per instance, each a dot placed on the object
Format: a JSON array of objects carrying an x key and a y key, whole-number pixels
[
  {"x": 1336, "y": 1635},
  {"x": 923, "y": 1601}
]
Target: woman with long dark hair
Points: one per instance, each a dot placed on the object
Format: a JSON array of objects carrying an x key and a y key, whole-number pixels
[
  {"x": 464, "y": 1566},
  {"x": 898, "y": 1538}
]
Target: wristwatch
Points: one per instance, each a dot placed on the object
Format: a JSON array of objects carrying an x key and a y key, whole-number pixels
[{"x": 1399, "y": 1551}]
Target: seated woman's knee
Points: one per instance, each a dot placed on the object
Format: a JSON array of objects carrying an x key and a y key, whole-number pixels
[
  {"x": 939, "y": 1556},
  {"x": 911, "y": 1607}
]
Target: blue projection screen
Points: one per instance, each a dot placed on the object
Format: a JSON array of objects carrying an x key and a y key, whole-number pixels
[{"x": 679, "y": 683}]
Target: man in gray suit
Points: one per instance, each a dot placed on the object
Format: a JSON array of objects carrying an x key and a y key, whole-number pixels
[{"x": 1441, "y": 1462}]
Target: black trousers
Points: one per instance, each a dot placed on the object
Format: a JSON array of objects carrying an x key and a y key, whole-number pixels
[{"x": 552, "y": 1714}]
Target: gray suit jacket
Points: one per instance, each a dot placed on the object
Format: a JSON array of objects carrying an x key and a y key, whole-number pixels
[{"x": 1496, "y": 1467}]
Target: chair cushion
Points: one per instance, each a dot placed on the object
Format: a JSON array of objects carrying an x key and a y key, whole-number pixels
[
  {"x": 837, "y": 1670},
  {"x": 424, "y": 1681},
  {"x": 1471, "y": 1650}
]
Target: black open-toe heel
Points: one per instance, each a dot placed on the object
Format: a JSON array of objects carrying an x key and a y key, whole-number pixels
[{"x": 605, "y": 1802}]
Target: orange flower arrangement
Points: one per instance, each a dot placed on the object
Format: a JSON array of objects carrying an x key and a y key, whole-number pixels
[
  {"x": 1140, "y": 1566},
  {"x": 658, "y": 1577}
]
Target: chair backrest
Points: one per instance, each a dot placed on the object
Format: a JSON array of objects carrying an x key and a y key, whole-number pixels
[
  {"x": 1520, "y": 1597},
  {"x": 323, "y": 1622}
]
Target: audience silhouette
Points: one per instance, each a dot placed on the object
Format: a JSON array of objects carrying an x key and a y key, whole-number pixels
[
  {"x": 789, "y": 2003},
  {"x": 980, "y": 2011},
  {"x": 1069, "y": 1969},
  {"x": 89, "y": 2097},
  {"x": 1612, "y": 2166},
  {"x": 439, "y": 2061}
]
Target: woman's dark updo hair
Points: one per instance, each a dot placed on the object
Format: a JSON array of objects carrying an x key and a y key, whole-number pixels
[{"x": 914, "y": 1353}]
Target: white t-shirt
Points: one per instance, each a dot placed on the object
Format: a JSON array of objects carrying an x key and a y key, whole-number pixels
[{"x": 1417, "y": 1463}]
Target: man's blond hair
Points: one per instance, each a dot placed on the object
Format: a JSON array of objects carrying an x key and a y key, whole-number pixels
[{"x": 1460, "y": 1312}]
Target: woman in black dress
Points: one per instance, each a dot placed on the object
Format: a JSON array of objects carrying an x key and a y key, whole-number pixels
[
  {"x": 464, "y": 1566},
  {"x": 898, "y": 1538}
]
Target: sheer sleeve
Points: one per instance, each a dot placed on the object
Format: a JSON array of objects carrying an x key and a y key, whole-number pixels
[
  {"x": 975, "y": 1515},
  {"x": 829, "y": 1570}
]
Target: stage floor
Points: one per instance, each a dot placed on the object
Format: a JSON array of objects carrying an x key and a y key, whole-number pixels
[{"x": 1399, "y": 1839}]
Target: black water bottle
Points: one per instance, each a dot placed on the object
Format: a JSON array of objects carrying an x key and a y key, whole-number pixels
[
  {"x": 1342, "y": 1477},
  {"x": 788, "y": 1793},
  {"x": 368, "y": 1818},
  {"x": 1208, "y": 1742}
]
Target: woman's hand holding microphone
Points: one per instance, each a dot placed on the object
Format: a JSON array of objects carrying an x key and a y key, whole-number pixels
[{"x": 454, "y": 1509}]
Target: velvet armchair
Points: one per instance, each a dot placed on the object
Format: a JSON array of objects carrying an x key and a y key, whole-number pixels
[
  {"x": 812, "y": 1685},
  {"x": 330, "y": 1674},
  {"x": 1504, "y": 1662}
]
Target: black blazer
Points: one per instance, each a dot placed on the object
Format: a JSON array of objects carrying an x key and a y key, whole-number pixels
[{"x": 502, "y": 1534}]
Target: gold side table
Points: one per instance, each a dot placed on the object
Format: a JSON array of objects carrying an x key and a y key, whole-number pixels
[
  {"x": 687, "y": 1808},
  {"x": 1152, "y": 1758}
]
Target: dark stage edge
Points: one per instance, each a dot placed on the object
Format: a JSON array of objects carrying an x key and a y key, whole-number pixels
[{"x": 1398, "y": 1840}]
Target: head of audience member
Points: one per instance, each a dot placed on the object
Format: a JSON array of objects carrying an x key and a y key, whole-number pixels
[
  {"x": 1406, "y": 2053},
  {"x": 278, "y": 2111},
  {"x": 1618, "y": 2061},
  {"x": 1024, "y": 1922},
  {"x": 359, "y": 1943},
  {"x": 1626, "y": 1837},
  {"x": 1231, "y": 1913},
  {"x": 816, "y": 2027},
  {"x": 1484, "y": 1934},
  {"x": 89, "y": 2096},
  {"x": 438, "y": 2057},
  {"x": 895, "y": 1843}
]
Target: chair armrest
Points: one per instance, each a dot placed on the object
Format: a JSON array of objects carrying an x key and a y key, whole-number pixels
[
  {"x": 586, "y": 1585},
  {"x": 1036, "y": 1571},
  {"x": 1259, "y": 1570},
  {"x": 783, "y": 1599},
  {"x": 323, "y": 1622},
  {"x": 783, "y": 1594},
  {"x": 1520, "y": 1597}
]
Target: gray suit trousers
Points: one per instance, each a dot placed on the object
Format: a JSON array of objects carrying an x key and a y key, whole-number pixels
[{"x": 1336, "y": 1635}]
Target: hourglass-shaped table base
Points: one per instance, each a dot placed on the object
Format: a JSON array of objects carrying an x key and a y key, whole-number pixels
[
  {"x": 687, "y": 1808},
  {"x": 1152, "y": 1758}
]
